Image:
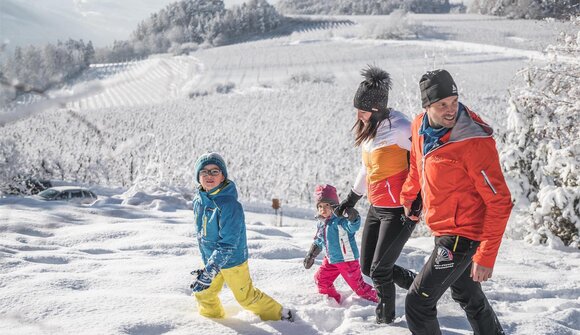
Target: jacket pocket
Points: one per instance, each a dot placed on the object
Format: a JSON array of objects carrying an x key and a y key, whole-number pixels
[{"x": 442, "y": 216}]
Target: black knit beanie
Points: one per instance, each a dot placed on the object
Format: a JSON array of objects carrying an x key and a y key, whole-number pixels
[
  {"x": 436, "y": 85},
  {"x": 373, "y": 92}
]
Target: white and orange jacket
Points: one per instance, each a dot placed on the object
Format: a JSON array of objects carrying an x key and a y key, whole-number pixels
[{"x": 385, "y": 162}]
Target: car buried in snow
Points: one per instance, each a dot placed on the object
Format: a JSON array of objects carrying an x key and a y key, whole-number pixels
[{"x": 74, "y": 194}]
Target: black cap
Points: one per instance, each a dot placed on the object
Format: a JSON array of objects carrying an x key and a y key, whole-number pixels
[
  {"x": 436, "y": 85},
  {"x": 373, "y": 92}
]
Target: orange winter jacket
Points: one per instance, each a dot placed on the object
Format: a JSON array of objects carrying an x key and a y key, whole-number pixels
[{"x": 463, "y": 188}]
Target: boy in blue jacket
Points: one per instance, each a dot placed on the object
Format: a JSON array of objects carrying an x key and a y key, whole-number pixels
[
  {"x": 336, "y": 235},
  {"x": 221, "y": 236}
]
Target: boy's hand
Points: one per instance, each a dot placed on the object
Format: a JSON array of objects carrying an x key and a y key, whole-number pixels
[{"x": 203, "y": 279}]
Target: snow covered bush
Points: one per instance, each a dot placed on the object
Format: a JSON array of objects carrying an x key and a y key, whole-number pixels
[
  {"x": 541, "y": 148},
  {"x": 396, "y": 26},
  {"x": 308, "y": 77}
]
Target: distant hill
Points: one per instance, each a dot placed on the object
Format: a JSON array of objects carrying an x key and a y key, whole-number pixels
[{"x": 361, "y": 7}]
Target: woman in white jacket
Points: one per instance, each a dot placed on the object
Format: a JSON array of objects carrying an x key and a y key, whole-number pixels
[{"x": 385, "y": 138}]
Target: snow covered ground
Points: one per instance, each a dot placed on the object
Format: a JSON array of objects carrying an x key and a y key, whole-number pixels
[
  {"x": 119, "y": 269},
  {"x": 280, "y": 111}
]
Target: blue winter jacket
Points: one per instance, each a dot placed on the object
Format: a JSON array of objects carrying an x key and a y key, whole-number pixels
[
  {"x": 337, "y": 235},
  {"x": 220, "y": 226}
]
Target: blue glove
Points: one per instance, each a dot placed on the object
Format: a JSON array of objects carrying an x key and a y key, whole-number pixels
[{"x": 203, "y": 278}]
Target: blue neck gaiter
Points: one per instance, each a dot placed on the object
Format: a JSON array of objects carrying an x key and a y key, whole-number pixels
[{"x": 432, "y": 136}]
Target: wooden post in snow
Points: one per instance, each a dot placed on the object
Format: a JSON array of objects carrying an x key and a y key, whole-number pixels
[{"x": 276, "y": 205}]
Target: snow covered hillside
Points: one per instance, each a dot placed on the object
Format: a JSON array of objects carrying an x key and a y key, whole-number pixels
[
  {"x": 282, "y": 106},
  {"x": 116, "y": 269},
  {"x": 280, "y": 111}
]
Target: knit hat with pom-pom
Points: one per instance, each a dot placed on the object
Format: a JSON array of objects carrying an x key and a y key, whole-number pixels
[{"x": 373, "y": 92}]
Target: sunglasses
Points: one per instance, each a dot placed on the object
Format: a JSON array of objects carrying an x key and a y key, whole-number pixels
[{"x": 212, "y": 172}]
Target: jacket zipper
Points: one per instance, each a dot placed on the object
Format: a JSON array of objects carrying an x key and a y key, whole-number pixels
[
  {"x": 389, "y": 189},
  {"x": 424, "y": 175},
  {"x": 343, "y": 246},
  {"x": 204, "y": 226},
  {"x": 488, "y": 182}
]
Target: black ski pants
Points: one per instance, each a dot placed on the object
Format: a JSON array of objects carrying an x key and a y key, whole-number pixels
[
  {"x": 449, "y": 266},
  {"x": 384, "y": 235}
]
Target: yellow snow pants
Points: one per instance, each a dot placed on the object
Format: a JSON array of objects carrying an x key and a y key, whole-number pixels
[{"x": 239, "y": 281}]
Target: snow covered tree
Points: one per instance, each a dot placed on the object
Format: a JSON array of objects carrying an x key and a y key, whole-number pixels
[
  {"x": 40, "y": 67},
  {"x": 541, "y": 148},
  {"x": 527, "y": 9}
]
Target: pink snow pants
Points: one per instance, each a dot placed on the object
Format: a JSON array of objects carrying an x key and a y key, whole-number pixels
[{"x": 350, "y": 271}]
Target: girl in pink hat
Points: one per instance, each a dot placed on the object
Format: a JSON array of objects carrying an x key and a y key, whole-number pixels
[{"x": 336, "y": 235}]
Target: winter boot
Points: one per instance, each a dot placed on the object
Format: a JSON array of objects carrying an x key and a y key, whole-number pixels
[
  {"x": 287, "y": 315},
  {"x": 385, "y": 311},
  {"x": 403, "y": 278}
]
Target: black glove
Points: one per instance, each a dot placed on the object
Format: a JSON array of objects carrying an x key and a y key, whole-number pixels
[
  {"x": 350, "y": 201},
  {"x": 351, "y": 213},
  {"x": 311, "y": 255},
  {"x": 416, "y": 206}
]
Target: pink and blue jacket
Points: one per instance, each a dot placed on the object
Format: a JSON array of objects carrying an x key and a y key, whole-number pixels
[{"x": 336, "y": 235}]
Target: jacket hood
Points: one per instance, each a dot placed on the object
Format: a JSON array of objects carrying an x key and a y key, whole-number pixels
[
  {"x": 227, "y": 189},
  {"x": 469, "y": 125}
]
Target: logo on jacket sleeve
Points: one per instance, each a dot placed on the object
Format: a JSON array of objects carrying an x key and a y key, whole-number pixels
[{"x": 444, "y": 258}]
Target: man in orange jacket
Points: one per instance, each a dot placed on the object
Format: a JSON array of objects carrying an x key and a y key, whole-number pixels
[{"x": 466, "y": 202}]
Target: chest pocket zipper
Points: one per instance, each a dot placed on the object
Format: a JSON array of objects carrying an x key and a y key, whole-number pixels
[
  {"x": 204, "y": 226},
  {"x": 488, "y": 182}
]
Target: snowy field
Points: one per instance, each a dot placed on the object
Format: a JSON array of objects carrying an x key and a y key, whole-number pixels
[
  {"x": 280, "y": 111},
  {"x": 117, "y": 269}
]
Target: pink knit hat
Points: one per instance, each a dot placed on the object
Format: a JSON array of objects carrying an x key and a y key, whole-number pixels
[{"x": 325, "y": 193}]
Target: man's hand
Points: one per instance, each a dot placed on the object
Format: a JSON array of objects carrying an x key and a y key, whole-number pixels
[
  {"x": 409, "y": 215},
  {"x": 414, "y": 211},
  {"x": 480, "y": 273}
]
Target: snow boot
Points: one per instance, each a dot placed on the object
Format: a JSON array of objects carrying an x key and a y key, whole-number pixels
[
  {"x": 385, "y": 311},
  {"x": 403, "y": 278},
  {"x": 287, "y": 315}
]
